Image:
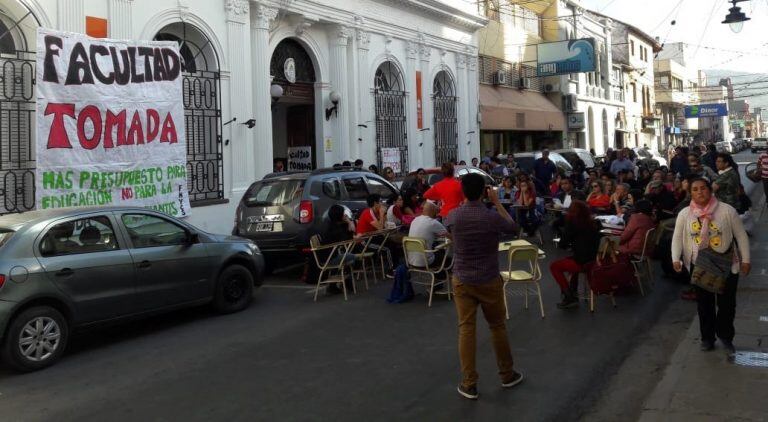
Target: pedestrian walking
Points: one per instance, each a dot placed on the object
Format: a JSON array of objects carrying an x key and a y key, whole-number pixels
[
  {"x": 476, "y": 280},
  {"x": 707, "y": 233},
  {"x": 762, "y": 164}
]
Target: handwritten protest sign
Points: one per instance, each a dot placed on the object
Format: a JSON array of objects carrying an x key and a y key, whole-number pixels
[
  {"x": 300, "y": 158},
  {"x": 110, "y": 124},
  {"x": 390, "y": 157}
]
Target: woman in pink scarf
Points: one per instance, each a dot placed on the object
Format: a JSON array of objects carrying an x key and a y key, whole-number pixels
[{"x": 708, "y": 223}]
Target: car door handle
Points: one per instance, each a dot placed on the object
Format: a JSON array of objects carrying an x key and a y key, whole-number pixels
[
  {"x": 144, "y": 264},
  {"x": 65, "y": 272}
]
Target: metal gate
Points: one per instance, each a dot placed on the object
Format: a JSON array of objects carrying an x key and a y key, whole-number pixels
[
  {"x": 202, "y": 119},
  {"x": 446, "y": 121},
  {"x": 390, "y": 106},
  {"x": 17, "y": 129}
]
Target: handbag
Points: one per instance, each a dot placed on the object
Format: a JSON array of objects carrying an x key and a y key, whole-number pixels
[
  {"x": 607, "y": 276},
  {"x": 711, "y": 269}
]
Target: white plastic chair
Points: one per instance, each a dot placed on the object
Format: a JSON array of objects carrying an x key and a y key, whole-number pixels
[{"x": 530, "y": 275}]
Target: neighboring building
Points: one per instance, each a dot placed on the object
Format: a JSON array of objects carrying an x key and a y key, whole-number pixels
[
  {"x": 713, "y": 129},
  {"x": 676, "y": 86},
  {"x": 633, "y": 84},
  {"x": 404, "y": 73},
  {"x": 515, "y": 114},
  {"x": 588, "y": 98}
]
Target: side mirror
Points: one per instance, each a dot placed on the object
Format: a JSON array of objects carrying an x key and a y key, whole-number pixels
[{"x": 192, "y": 238}]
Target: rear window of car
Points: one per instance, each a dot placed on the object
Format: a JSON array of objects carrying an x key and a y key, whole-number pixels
[
  {"x": 525, "y": 163},
  {"x": 273, "y": 193},
  {"x": 761, "y": 140},
  {"x": 5, "y": 234}
]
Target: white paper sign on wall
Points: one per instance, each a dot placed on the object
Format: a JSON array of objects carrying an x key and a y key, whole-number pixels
[
  {"x": 300, "y": 158},
  {"x": 390, "y": 157}
]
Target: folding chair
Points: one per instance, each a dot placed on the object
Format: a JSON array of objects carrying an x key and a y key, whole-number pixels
[
  {"x": 338, "y": 260},
  {"x": 644, "y": 260},
  {"x": 361, "y": 256},
  {"x": 415, "y": 246},
  {"x": 531, "y": 275},
  {"x": 383, "y": 251}
]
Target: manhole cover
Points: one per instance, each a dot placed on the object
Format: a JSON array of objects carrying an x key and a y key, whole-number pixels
[{"x": 751, "y": 359}]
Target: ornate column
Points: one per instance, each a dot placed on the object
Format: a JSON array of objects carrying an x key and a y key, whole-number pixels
[
  {"x": 339, "y": 36},
  {"x": 427, "y": 137},
  {"x": 240, "y": 106},
  {"x": 120, "y": 19},
  {"x": 366, "y": 147},
  {"x": 414, "y": 138},
  {"x": 261, "y": 135},
  {"x": 472, "y": 101},
  {"x": 462, "y": 91},
  {"x": 71, "y": 15}
]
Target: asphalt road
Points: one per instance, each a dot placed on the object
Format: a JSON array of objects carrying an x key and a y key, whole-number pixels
[{"x": 288, "y": 358}]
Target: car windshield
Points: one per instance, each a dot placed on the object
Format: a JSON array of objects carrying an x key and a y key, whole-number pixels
[
  {"x": 5, "y": 234},
  {"x": 273, "y": 193},
  {"x": 525, "y": 163}
]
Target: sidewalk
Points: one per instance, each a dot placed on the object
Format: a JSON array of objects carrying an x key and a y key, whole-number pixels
[{"x": 706, "y": 386}]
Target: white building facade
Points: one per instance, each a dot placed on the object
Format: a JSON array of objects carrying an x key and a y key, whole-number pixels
[{"x": 259, "y": 78}]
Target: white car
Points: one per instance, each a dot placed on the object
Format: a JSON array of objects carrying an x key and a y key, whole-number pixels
[
  {"x": 759, "y": 144},
  {"x": 649, "y": 154},
  {"x": 724, "y": 146}
]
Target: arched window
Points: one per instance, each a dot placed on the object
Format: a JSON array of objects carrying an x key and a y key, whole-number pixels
[
  {"x": 444, "y": 103},
  {"x": 17, "y": 109},
  {"x": 202, "y": 111},
  {"x": 391, "y": 124},
  {"x": 605, "y": 131}
]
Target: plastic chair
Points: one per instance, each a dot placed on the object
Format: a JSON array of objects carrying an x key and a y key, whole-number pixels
[
  {"x": 336, "y": 261},
  {"x": 531, "y": 275},
  {"x": 415, "y": 246},
  {"x": 644, "y": 259}
]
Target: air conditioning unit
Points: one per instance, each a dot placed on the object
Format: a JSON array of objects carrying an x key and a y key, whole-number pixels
[
  {"x": 571, "y": 102},
  {"x": 551, "y": 87},
  {"x": 524, "y": 83},
  {"x": 499, "y": 78}
]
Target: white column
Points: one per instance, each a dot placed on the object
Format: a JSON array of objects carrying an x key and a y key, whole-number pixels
[
  {"x": 241, "y": 106},
  {"x": 465, "y": 150},
  {"x": 339, "y": 36},
  {"x": 414, "y": 150},
  {"x": 120, "y": 24},
  {"x": 472, "y": 102},
  {"x": 71, "y": 15},
  {"x": 367, "y": 148},
  {"x": 427, "y": 137},
  {"x": 261, "y": 134}
]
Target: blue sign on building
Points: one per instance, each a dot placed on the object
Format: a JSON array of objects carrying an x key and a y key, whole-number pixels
[
  {"x": 569, "y": 56},
  {"x": 706, "y": 110}
]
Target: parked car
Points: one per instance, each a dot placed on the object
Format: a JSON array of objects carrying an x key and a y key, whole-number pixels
[
  {"x": 734, "y": 147},
  {"x": 434, "y": 175},
  {"x": 282, "y": 211},
  {"x": 759, "y": 144},
  {"x": 65, "y": 269},
  {"x": 650, "y": 158},
  {"x": 573, "y": 153},
  {"x": 525, "y": 161},
  {"x": 724, "y": 146}
]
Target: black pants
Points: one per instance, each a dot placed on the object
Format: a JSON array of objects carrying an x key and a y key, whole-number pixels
[
  {"x": 717, "y": 321},
  {"x": 765, "y": 189}
]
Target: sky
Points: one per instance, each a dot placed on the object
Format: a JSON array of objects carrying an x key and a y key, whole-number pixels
[{"x": 698, "y": 22}]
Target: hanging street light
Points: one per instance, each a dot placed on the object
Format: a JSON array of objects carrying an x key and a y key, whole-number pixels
[{"x": 735, "y": 17}]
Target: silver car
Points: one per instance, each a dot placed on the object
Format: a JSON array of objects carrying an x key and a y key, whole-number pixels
[{"x": 65, "y": 269}]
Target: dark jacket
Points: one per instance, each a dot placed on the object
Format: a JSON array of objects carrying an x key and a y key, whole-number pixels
[{"x": 584, "y": 241}]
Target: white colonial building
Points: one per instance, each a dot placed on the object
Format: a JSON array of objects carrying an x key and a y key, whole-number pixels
[{"x": 345, "y": 79}]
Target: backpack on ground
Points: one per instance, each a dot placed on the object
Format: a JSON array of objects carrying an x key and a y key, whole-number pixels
[{"x": 402, "y": 289}]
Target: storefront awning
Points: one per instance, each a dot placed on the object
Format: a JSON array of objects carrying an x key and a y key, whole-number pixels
[{"x": 501, "y": 109}]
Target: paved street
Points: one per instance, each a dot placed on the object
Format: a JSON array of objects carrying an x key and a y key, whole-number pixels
[{"x": 289, "y": 358}]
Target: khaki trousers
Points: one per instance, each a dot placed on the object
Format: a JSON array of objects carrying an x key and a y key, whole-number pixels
[{"x": 490, "y": 297}]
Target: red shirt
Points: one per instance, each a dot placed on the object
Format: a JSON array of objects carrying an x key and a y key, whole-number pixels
[
  {"x": 448, "y": 192},
  {"x": 365, "y": 223},
  {"x": 764, "y": 165},
  {"x": 599, "y": 201}
]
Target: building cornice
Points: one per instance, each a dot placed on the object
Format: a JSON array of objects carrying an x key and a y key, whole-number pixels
[{"x": 440, "y": 9}]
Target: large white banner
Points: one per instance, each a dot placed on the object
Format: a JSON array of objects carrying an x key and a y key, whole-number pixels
[{"x": 110, "y": 123}]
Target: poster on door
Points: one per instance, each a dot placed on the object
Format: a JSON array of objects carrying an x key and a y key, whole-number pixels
[
  {"x": 390, "y": 157},
  {"x": 110, "y": 124},
  {"x": 300, "y": 158}
]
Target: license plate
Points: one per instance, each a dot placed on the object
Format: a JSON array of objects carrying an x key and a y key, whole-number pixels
[{"x": 263, "y": 227}]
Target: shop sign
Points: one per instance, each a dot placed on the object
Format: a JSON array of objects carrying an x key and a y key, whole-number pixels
[
  {"x": 563, "y": 57},
  {"x": 300, "y": 158},
  {"x": 575, "y": 121},
  {"x": 706, "y": 110},
  {"x": 110, "y": 124}
]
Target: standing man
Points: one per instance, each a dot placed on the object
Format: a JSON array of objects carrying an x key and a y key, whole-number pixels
[
  {"x": 512, "y": 166},
  {"x": 447, "y": 191},
  {"x": 679, "y": 163},
  {"x": 710, "y": 157},
  {"x": 622, "y": 163},
  {"x": 475, "y": 230},
  {"x": 544, "y": 169},
  {"x": 762, "y": 164}
]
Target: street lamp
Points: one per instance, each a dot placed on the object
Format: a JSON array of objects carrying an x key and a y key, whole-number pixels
[
  {"x": 275, "y": 91},
  {"x": 735, "y": 17}
]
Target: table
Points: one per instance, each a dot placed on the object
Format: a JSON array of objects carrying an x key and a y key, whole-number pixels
[{"x": 513, "y": 244}]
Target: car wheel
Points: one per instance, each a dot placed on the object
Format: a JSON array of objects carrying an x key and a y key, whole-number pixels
[
  {"x": 234, "y": 290},
  {"x": 36, "y": 339}
]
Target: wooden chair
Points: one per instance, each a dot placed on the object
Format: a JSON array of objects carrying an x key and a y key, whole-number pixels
[
  {"x": 530, "y": 275},
  {"x": 336, "y": 261},
  {"x": 644, "y": 260},
  {"x": 415, "y": 246}
]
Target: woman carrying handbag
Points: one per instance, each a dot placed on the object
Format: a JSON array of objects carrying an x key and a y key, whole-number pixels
[{"x": 711, "y": 241}]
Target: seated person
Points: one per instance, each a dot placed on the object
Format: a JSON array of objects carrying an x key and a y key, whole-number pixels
[
  {"x": 507, "y": 190},
  {"x": 339, "y": 229},
  {"x": 620, "y": 199},
  {"x": 582, "y": 235},
  {"x": 372, "y": 218},
  {"x": 395, "y": 212},
  {"x": 662, "y": 200},
  {"x": 525, "y": 202},
  {"x": 411, "y": 206},
  {"x": 598, "y": 201},
  {"x": 563, "y": 201},
  {"x": 633, "y": 237},
  {"x": 428, "y": 228}
]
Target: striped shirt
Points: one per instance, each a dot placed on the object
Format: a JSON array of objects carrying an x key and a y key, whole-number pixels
[{"x": 763, "y": 160}]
